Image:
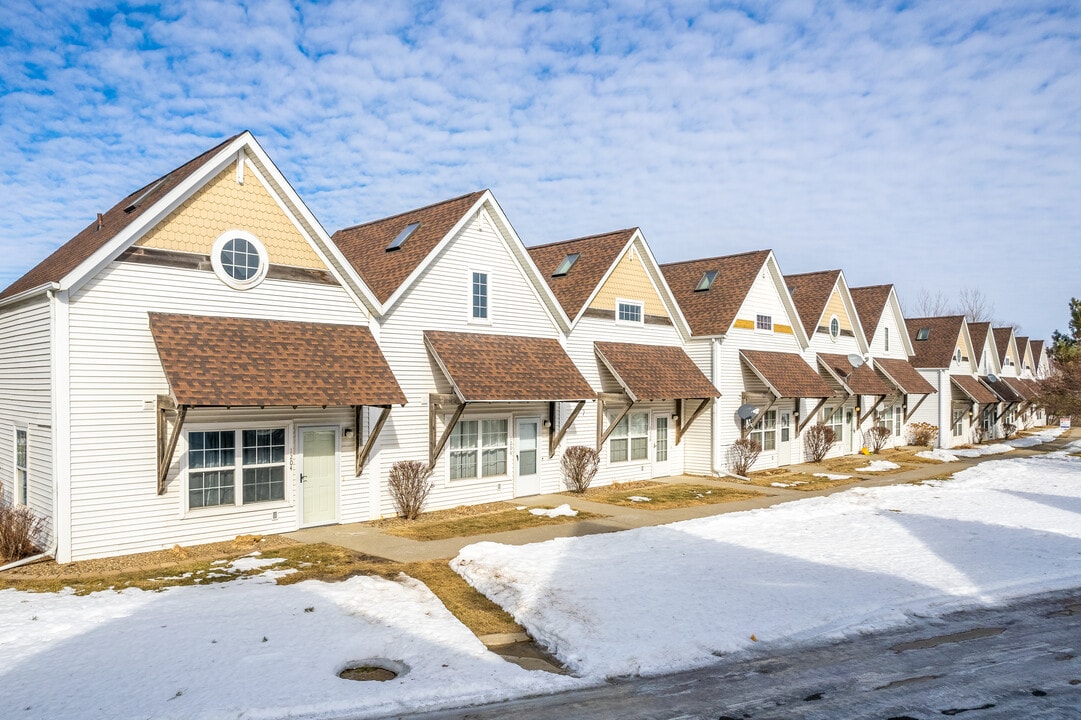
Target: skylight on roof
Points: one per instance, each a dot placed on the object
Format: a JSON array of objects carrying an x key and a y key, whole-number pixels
[
  {"x": 565, "y": 266},
  {"x": 707, "y": 281},
  {"x": 923, "y": 333},
  {"x": 403, "y": 236}
]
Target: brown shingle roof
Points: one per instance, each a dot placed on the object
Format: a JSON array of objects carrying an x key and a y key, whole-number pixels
[
  {"x": 1033, "y": 387},
  {"x": 1022, "y": 345},
  {"x": 1002, "y": 342},
  {"x": 1021, "y": 387},
  {"x": 903, "y": 375},
  {"x": 974, "y": 389},
  {"x": 978, "y": 332},
  {"x": 655, "y": 372},
  {"x": 810, "y": 293},
  {"x": 224, "y": 361},
  {"x": 71, "y": 254},
  {"x": 870, "y": 301},
  {"x": 713, "y": 311},
  {"x": 507, "y": 368},
  {"x": 1037, "y": 353},
  {"x": 596, "y": 254},
  {"x": 863, "y": 380},
  {"x": 365, "y": 246},
  {"x": 787, "y": 373},
  {"x": 937, "y": 350},
  {"x": 1002, "y": 389}
]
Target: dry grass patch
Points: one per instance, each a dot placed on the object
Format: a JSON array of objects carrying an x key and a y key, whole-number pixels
[
  {"x": 904, "y": 456},
  {"x": 476, "y": 612},
  {"x": 664, "y": 496},
  {"x": 805, "y": 482},
  {"x": 471, "y": 520}
]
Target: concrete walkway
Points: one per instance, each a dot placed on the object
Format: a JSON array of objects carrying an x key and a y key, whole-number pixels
[{"x": 364, "y": 538}]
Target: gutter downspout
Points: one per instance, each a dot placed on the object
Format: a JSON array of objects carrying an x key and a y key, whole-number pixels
[
  {"x": 48, "y": 554},
  {"x": 714, "y": 364}
]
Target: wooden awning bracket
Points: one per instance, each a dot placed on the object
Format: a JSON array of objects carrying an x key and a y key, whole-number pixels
[
  {"x": 810, "y": 415},
  {"x": 363, "y": 452},
  {"x": 167, "y": 441},
  {"x": 910, "y": 413},
  {"x": 867, "y": 414},
  {"x": 555, "y": 436},
  {"x": 848, "y": 396},
  {"x": 681, "y": 407},
  {"x": 603, "y": 402},
  {"x": 755, "y": 399},
  {"x": 436, "y": 403}
]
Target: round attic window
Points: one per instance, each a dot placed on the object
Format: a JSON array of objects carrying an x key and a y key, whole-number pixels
[
  {"x": 835, "y": 328},
  {"x": 239, "y": 259}
]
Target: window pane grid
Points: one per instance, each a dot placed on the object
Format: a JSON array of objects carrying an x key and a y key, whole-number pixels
[
  {"x": 763, "y": 322},
  {"x": 240, "y": 259},
  {"x": 480, "y": 295},
  {"x": 213, "y": 463},
  {"x": 629, "y": 312}
]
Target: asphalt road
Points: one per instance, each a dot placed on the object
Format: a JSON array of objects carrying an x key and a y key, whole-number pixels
[{"x": 1021, "y": 662}]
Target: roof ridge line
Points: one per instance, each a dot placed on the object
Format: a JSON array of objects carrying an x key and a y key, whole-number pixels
[{"x": 409, "y": 212}]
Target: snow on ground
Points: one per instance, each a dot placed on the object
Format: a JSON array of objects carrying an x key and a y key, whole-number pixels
[
  {"x": 660, "y": 599},
  {"x": 831, "y": 476},
  {"x": 878, "y": 466},
  {"x": 245, "y": 648},
  {"x": 561, "y": 511},
  {"x": 979, "y": 450},
  {"x": 938, "y": 454},
  {"x": 953, "y": 455}
]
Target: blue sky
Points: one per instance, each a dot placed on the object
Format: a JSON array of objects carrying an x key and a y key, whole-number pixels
[{"x": 933, "y": 145}]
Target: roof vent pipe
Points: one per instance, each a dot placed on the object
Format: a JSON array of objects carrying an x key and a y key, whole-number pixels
[{"x": 100, "y": 221}]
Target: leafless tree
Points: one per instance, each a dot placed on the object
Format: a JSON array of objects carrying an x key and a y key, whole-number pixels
[
  {"x": 579, "y": 466},
  {"x": 818, "y": 440},
  {"x": 742, "y": 454},
  {"x": 930, "y": 304},
  {"x": 975, "y": 305}
]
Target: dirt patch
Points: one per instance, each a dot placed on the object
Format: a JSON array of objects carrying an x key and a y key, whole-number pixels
[
  {"x": 804, "y": 482},
  {"x": 905, "y": 457},
  {"x": 469, "y": 520},
  {"x": 663, "y": 496},
  {"x": 367, "y": 673}
]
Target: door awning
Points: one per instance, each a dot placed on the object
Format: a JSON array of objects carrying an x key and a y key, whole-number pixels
[
  {"x": 787, "y": 375},
  {"x": 1021, "y": 388},
  {"x": 654, "y": 372},
  {"x": 507, "y": 368},
  {"x": 974, "y": 389},
  {"x": 862, "y": 380},
  {"x": 242, "y": 362},
  {"x": 901, "y": 373},
  {"x": 1002, "y": 389}
]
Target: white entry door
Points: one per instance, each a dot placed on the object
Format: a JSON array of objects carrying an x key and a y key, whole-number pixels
[
  {"x": 318, "y": 476},
  {"x": 784, "y": 439},
  {"x": 527, "y": 459},
  {"x": 847, "y": 431},
  {"x": 662, "y": 444}
]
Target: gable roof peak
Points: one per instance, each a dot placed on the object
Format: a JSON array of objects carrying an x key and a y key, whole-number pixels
[
  {"x": 625, "y": 232},
  {"x": 870, "y": 302}
]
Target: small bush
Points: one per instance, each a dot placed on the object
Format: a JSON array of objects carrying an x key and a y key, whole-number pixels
[
  {"x": 922, "y": 433},
  {"x": 978, "y": 434},
  {"x": 742, "y": 454},
  {"x": 818, "y": 441},
  {"x": 20, "y": 530},
  {"x": 875, "y": 438},
  {"x": 1009, "y": 430},
  {"x": 409, "y": 487},
  {"x": 579, "y": 466}
]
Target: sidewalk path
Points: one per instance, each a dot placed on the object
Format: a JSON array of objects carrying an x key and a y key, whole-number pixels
[{"x": 366, "y": 539}]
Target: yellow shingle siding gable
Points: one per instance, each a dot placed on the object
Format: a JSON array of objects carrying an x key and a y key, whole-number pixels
[
  {"x": 630, "y": 281},
  {"x": 963, "y": 346},
  {"x": 224, "y": 204},
  {"x": 836, "y": 306}
]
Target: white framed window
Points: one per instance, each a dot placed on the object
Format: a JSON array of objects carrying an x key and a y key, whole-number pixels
[
  {"x": 630, "y": 439},
  {"x": 479, "y": 448},
  {"x": 898, "y": 420},
  {"x": 629, "y": 311},
  {"x": 957, "y": 355},
  {"x": 22, "y": 468},
  {"x": 239, "y": 259},
  {"x": 763, "y": 322},
  {"x": 764, "y": 431},
  {"x": 958, "y": 422},
  {"x": 479, "y": 294},
  {"x": 887, "y": 339},
  {"x": 835, "y": 328},
  {"x": 836, "y": 423},
  {"x": 218, "y": 458}
]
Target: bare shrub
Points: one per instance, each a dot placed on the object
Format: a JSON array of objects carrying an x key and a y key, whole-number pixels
[
  {"x": 1009, "y": 430},
  {"x": 20, "y": 529},
  {"x": 579, "y": 466},
  {"x": 922, "y": 433},
  {"x": 979, "y": 434},
  {"x": 875, "y": 438},
  {"x": 409, "y": 487},
  {"x": 742, "y": 454},
  {"x": 818, "y": 441}
]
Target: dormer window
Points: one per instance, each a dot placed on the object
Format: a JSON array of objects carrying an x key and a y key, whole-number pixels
[
  {"x": 628, "y": 311},
  {"x": 707, "y": 281},
  {"x": 835, "y": 328},
  {"x": 403, "y": 236},
  {"x": 763, "y": 322},
  {"x": 566, "y": 265},
  {"x": 923, "y": 333}
]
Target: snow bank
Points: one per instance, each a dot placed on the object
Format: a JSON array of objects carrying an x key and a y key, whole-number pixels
[
  {"x": 878, "y": 466},
  {"x": 660, "y": 599},
  {"x": 563, "y": 510},
  {"x": 980, "y": 450},
  {"x": 830, "y": 476},
  {"x": 247, "y": 648},
  {"x": 939, "y": 454}
]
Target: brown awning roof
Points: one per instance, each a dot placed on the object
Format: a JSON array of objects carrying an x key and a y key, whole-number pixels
[
  {"x": 974, "y": 389},
  {"x": 862, "y": 380},
  {"x": 507, "y": 368},
  {"x": 1033, "y": 387},
  {"x": 904, "y": 376},
  {"x": 1004, "y": 390},
  {"x": 1020, "y": 387},
  {"x": 786, "y": 374},
  {"x": 653, "y": 372},
  {"x": 239, "y": 362}
]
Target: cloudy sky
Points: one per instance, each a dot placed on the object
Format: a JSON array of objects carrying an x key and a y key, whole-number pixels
[{"x": 933, "y": 145}]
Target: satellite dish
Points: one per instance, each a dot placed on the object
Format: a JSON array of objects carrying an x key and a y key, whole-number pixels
[
  {"x": 746, "y": 411},
  {"x": 992, "y": 377},
  {"x": 855, "y": 360}
]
